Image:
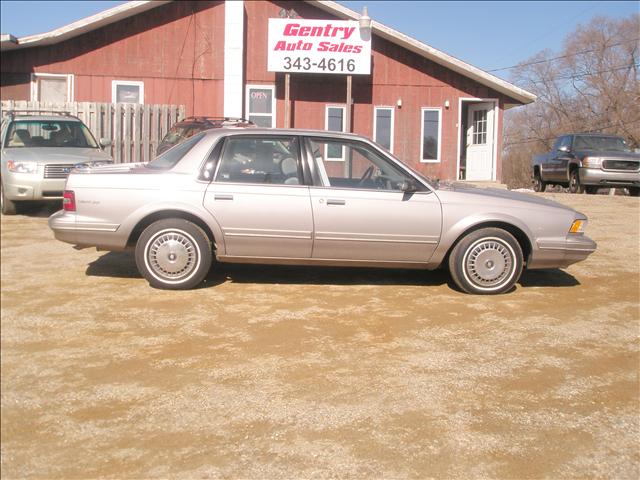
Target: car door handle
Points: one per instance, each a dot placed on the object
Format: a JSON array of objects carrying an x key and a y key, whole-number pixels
[
  {"x": 336, "y": 201},
  {"x": 222, "y": 197}
]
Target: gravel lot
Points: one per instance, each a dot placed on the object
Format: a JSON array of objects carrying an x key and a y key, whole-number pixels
[{"x": 272, "y": 372}]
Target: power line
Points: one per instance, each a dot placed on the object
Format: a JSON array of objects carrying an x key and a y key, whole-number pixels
[
  {"x": 586, "y": 74},
  {"x": 563, "y": 56},
  {"x": 595, "y": 130}
]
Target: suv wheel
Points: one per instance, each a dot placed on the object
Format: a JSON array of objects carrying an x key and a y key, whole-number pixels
[
  {"x": 487, "y": 261},
  {"x": 7, "y": 206},
  {"x": 538, "y": 184},
  {"x": 173, "y": 254},
  {"x": 591, "y": 189},
  {"x": 574, "y": 182}
]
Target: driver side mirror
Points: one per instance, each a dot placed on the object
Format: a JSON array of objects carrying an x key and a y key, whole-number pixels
[
  {"x": 408, "y": 186},
  {"x": 105, "y": 142}
]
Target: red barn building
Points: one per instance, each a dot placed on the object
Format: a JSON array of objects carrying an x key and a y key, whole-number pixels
[{"x": 435, "y": 112}]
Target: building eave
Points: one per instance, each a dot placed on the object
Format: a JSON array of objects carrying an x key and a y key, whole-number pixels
[
  {"x": 431, "y": 53},
  {"x": 9, "y": 42},
  {"x": 81, "y": 26}
]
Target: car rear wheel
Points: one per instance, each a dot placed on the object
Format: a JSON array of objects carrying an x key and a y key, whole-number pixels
[
  {"x": 487, "y": 262},
  {"x": 7, "y": 206},
  {"x": 173, "y": 254},
  {"x": 574, "y": 182},
  {"x": 538, "y": 184}
]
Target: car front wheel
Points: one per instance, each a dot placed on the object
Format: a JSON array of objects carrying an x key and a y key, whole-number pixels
[
  {"x": 538, "y": 184},
  {"x": 574, "y": 182},
  {"x": 486, "y": 262},
  {"x": 173, "y": 254}
]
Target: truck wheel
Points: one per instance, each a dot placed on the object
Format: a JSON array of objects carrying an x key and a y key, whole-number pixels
[
  {"x": 486, "y": 262},
  {"x": 634, "y": 191},
  {"x": 538, "y": 184},
  {"x": 173, "y": 254},
  {"x": 7, "y": 206},
  {"x": 574, "y": 182}
]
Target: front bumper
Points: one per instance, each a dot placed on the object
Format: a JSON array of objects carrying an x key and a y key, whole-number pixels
[
  {"x": 23, "y": 186},
  {"x": 608, "y": 178},
  {"x": 551, "y": 253}
]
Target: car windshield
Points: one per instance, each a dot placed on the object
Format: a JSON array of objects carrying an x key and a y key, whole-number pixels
[
  {"x": 171, "y": 157},
  {"x": 608, "y": 144},
  {"x": 49, "y": 133}
]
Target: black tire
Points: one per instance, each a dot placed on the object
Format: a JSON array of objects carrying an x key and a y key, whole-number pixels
[
  {"x": 173, "y": 254},
  {"x": 634, "y": 191},
  {"x": 538, "y": 184},
  {"x": 574, "y": 182},
  {"x": 486, "y": 262},
  {"x": 7, "y": 207},
  {"x": 591, "y": 189}
]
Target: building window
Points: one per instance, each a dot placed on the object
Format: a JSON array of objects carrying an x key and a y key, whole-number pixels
[
  {"x": 431, "y": 135},
  {"x": 479, "y": 127},
  {"x": 127, "y": 92},
  {"x": 383, "y": 127},
  {"x": 261, "y": 105},
  {"x": 51, "y": 87},
  {"x": 334, "y": 122}
]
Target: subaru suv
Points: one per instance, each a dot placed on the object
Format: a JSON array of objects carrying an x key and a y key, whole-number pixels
[{"x": 38, "y": 152}]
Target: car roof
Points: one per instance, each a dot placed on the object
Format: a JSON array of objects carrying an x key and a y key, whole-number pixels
[
  {"x": 591, "y": 134},
  {"x": 283, "y": 132}
]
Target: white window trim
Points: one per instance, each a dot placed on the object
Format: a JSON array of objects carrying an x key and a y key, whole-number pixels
[
  {"x": 273, "y": 103},
  {"x": 68, "y": 76},
  {"x": 430, "y": 109},
  {"x": 116, "y": 83},
  {"x": 375, "y": 123},
  {"x": 344, "y": 127}
]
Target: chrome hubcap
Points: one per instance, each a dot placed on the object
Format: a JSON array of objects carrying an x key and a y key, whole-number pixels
[
  {"x": 489, "y": 263},
  {"x": 172, "y": 255}
]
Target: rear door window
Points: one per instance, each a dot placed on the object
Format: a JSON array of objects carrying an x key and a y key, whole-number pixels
[{"x": 267, "y": 160}]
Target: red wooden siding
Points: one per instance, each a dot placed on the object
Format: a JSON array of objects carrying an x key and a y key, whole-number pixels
[{"x": 177, "y": 50}]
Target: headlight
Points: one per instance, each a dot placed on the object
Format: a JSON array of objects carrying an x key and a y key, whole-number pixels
[
  {"x": 578, "y": 226},
  {"x": 22, "y": 167},
  {"x": 593, "y": 162}
]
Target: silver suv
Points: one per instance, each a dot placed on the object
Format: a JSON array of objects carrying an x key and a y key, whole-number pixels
[{"x": 39, "y": 151}]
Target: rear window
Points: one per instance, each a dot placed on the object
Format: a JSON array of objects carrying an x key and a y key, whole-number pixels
[
  {"x": 49, "y": 133},
  {"x": 171, "y": 157}
]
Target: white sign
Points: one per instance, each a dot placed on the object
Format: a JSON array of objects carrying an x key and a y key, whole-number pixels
[{"x": 318, "y": 46}]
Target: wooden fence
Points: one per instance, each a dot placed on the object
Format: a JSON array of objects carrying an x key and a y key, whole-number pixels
[{"x": 134, "y": 130}]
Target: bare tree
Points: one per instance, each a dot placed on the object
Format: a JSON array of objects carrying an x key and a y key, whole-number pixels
[{"x": 591, "y": 85}]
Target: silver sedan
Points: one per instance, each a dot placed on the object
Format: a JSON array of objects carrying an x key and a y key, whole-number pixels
[{"x": 302, "y": 197}]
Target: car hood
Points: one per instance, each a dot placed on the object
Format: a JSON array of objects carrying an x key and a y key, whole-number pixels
[
  {"x": 608, "y": 154},
  {"x": 492, "y": 196},
  {"x": 63, "y": 155}
]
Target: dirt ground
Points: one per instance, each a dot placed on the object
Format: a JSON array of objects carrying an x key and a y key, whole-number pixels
[{"x": 270, "y": 372}]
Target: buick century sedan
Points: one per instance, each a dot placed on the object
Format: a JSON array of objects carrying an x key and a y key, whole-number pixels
[{"x": 300, "y": 197}]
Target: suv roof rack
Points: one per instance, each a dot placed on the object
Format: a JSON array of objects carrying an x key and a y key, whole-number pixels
[{"x": 35, "y": 111}]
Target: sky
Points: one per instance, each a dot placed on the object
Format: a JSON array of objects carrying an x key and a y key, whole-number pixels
[{"x": 489, "y": 35}]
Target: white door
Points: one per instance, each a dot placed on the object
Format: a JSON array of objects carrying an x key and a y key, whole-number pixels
[{"x": 480, "y": 147}]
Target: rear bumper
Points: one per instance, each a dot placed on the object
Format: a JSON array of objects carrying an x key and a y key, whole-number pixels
[
  {"x": 552, "y": 253},
  {"x": 607, "y": 178},
  {"x": 68, "y": 228}
]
